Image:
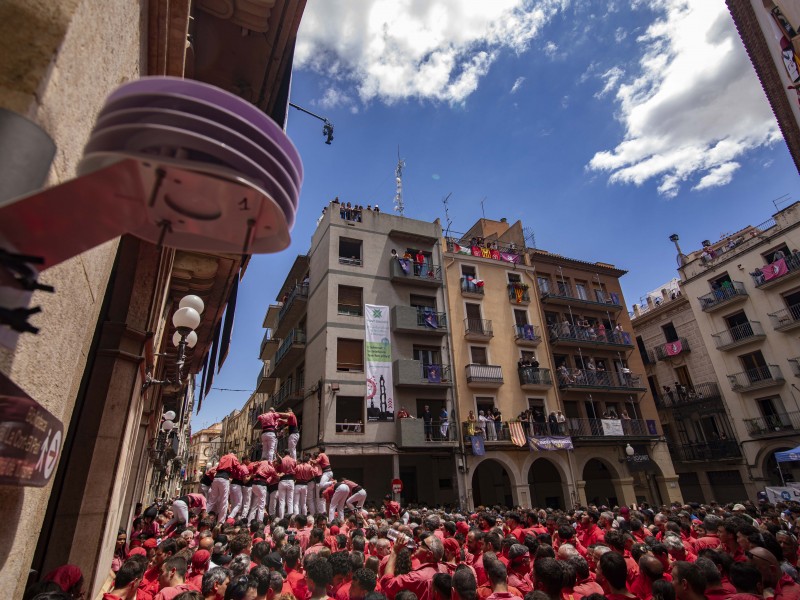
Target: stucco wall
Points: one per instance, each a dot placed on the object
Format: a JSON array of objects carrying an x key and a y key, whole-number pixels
[{"x": 60, "y": 61}]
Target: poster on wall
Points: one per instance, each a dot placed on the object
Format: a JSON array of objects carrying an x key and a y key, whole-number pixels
[
  {"x": 783, "y": 494},
  {"x": 378, "y": 364}
]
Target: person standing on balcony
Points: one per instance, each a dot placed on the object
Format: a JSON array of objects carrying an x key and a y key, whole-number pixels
[
  {"x": 427, "y": 419},
  {"x": 562, "y": 423},
  {"x": 471, "y": 423},
  {"x": 498, "y": 422},
  {"x": 269, "y": 441},
  {"x": 483, "y": 423},
  {"x": 419, "y": 261}
]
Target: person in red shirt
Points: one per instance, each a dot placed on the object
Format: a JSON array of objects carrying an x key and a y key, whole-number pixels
[
  {"x": 318, "y": 575},
  {"x": 519, "y": 568},
  {"x": 269, "y": 439},
  {"x": 181, "y": 507},
  {"x": 285, "y": 467},
  {"x": 364, "y": 582},
  {"x": 391, "y": 509},
  {"x": 303, "y": 474},
  {"x": 615, "y": 540},
  {"x": 612, "y": 571},
  {"x": 584, "y": 583},
  {"x": 498, "y": 580},
  {"x": 475, "y": 555},
  {"x": 200, "y": 561},
  {"x": 591, "y": 534},
  {"x": 788, "y": 544},
  {"x": 326, "y": 478},
  {"x": 148, "y": 587},
  {"x": 710, "y": 540},
  {"x": 514, "y": 526},
  {"x": 264, "y": 475},
  {"x": 772, "y": 577},
  {"x": 678, "y": 550},
  {"x": 294, "y": 575},
  {"x": 429, "y": 554},
  {"x": 238, "y": 475},
  {"x": 747, "y": 580},
  {"x": 220, "y": 487},
  {"x": 714, "y": 588},
  {"x": 127, "y": 580},
  {"x": 171, "y": 580},
  {"x": 650, "y": 570}
]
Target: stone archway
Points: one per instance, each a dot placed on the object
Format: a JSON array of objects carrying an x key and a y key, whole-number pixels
[
  {"x": 491, "y": 484},
  {"x": 546, "y": 485},
  {"x": 600, "y": 485}
]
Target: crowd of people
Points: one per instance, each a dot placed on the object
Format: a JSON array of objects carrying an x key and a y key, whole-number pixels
[{"x": 680, "y": 552}]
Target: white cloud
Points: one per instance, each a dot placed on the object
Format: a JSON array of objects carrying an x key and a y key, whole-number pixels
[
  {"x": 611, "y": 78},
  {"x": 428, "y": 49},
  {"x": 620, "y": 34},
  {"x": 517, "y": 84},
  {"x": 694, "y": 105},
  {"x": 550, "y": 49}
]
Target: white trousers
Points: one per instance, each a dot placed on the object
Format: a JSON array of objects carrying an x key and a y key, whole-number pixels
[
  {"x": 258, "y": 502},
  {"x": 268, "y": 444},
  {"x": 324, "y": 483},
  {"x": 285, "y": 497},
  {"x": 247, "y": 492},
  {"x": 236, "y": 500},
  {"x": 273, "y": 503},
  {"x": 356, "y": 501},
  {"x": 338, "y": 501},
  {"x": 311, "y": 498},
  {"x": 218, "y": 498},
  {"x": 292, "y": 444},
  {"x": 180, "y": 513},
  {"x": 300, "y": 498}
]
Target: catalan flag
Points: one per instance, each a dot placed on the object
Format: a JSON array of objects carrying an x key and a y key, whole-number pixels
[{"x": 517, "y": 433}]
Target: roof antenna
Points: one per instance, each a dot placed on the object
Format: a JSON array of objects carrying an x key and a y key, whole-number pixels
[
  {"x": 445, "y": 200},
  {"x": 483, "y": 212},
  {"x": 398, "y": 178},
  {"x": 529, "y": 237}
]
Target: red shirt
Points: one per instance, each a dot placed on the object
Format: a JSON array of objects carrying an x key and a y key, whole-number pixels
[
  {"x": 787, "y": 589},
  {"x": 710, "y": 540},
  {"x": 265, "y": 471},
  {"x": 228, "y": 463},
  {"x": 287, "y": 466},
  {"x": 304, "y": 472},
  {"x": 418, "y": 581},
  {"x": 591, "y": 536},
  {"x": 717, "y": 594},
  {"x": 323, "y": 461},
  {"x": 269, "y": 420},
  {"x": 583, "y": 588},
  {"x": 391, "y": 509},
  {"x": 297, "y": 583},
  {"x": 170, "y": 592}
]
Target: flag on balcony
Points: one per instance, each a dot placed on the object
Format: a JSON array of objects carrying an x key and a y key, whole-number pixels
[
  {"x": 461, "y": 249},
  {"x": 519, "y": 293},
  {"x": 430, "y": 319},
  {"x": 673, "y": 348},
  {"x": 433, "y": 373},
  {"x": 404, "y": 264},
  {"x": 478, "y": 449},
  {"x": 775, "y": 270},
  {"x": 509, "y": 257},
  {"x": 517, "y": 433},
  {"x": 550, "y": 442},
  {"x": 527, "y": 331},
  {"x": 478, "y": 282}
]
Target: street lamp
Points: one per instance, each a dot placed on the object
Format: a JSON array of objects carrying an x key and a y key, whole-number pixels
[
  {"x": 629, "y": 451},
  {"x": 186, "y": 319}
]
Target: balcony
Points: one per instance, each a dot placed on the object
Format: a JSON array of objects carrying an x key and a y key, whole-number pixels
[
  {"x": 412, "y": 433},
  {"x": 293, "y": 307},
  {"x": 408, "y": 272},
  {"x": 478, "y": 329},
  {"x": 472, "y": 288},
  {"x": 292, "y": 348},
  {"x": 534, "y": 379},
  {"x": 787, "y": 319},
  {"x": 724, "y": 296},
  {"x": 705, "y": 451},
  {"x": 493, "y": 434},
  {"x": 603, "y": 381},
  {"x": 409, "y": 319},
  {"x": 611, "y": 429},
  {"x": 266, "y": 382},
  {"x": 756, "y": 379},
  {"x": 412, "y": 373},
  {"x": 565, "y": 295},
  {"x": 697, "y": 394},
  {"x": 566, "y": 334},
  {"x": 739, "y": 335},
  {"x": 488, "y": 376},
  {"x": 775, "y": 273},
  {"x": 794, "y": 363},
  {"x": 672, "y": 349},
  {"x": 527, "y": 335},
  {"x": 269, "y": 346},
  {"x": 518, "y": 294},
  {"x": 774, "y": 424},
  {"x": 290, "y": 390}
]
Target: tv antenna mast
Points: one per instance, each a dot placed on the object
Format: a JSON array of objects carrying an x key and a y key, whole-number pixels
[
  {"x": 530, "y": 237},
  {"x": 445, "y": 201},
  {"x": 398, "y": 178}
]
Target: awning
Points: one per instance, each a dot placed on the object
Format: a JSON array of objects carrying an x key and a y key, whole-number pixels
[{"x": 788, "y": 455}]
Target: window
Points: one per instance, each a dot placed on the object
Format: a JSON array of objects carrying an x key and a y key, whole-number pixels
[
  {"x": 544, "y": 284},
  {"x": 600, "y": 294},
  {"x": 350, "y": 301},
  {"x": 793, "y": 301},
  {"x": 520, "y": 317},
  {"x": 778, "y": 253},
  {"x": 349, "y": 355},
  {"x": 642, "y": 350},
  {"x": 720, "y": 280},
  {"x": 514, "y": 278},
  {"x": 670, "y": 334},
  {"x": 479, "y": 355},
  {"x": 427, "y": 355},
  {"x": 468, "y": 271},
  {"x": 527, "y": 355},
  {"x": 350, "y": 252},
  {"x": 485, "y": 404},
  {"x": 581, "y": 290},
  {"x": 422, "y": 302},
  {"x": 349, "y": 414},
  {"x": 739, "y": 318},
  {"x": 563, "y": 287},
  {"x": 773, "y": 412}
]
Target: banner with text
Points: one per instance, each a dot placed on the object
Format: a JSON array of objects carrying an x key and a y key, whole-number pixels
[
  {"x": 555, "y": 442},
  {"x": 783, "y": 494},
  {"x": 378, "y": 347},
  {"x": 612, "y": 427}
]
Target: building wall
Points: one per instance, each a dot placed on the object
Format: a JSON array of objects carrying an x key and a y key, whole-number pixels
[{"x": 44, "y": 76}]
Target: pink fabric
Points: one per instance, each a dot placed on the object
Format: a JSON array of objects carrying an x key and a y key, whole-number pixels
[
  {"x": 775, "y": 270},
  {"x": 673, "y": 348},
  {"x": 66, "y": 576}
]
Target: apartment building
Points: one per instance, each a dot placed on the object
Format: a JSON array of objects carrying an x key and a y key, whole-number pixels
[
  {"x": 691, "y": 402},
  {"x": 347, "y": 383},
  {"x": 203, "y": 448},
  {"x": 543, "y": 340},
  {"x": 744, "y": 291}
]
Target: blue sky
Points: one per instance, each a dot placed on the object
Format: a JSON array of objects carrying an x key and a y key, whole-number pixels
[{"x": 603, "y": 126}]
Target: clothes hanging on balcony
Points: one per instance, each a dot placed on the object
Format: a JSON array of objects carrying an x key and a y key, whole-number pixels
[
  {"x": 433, "y": 373},
  {"x": 430, "y": 318},
  {"x": 527, "y": 331}
]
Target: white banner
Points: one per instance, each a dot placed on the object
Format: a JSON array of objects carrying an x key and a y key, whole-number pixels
[
  {"x": 612, "y": 427},
  {"x": 783, "y": 494},
  {"x": 378, "y": 347}
]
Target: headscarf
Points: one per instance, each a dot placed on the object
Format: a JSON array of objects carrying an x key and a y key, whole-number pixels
[{"x": 65, "y": 576}]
